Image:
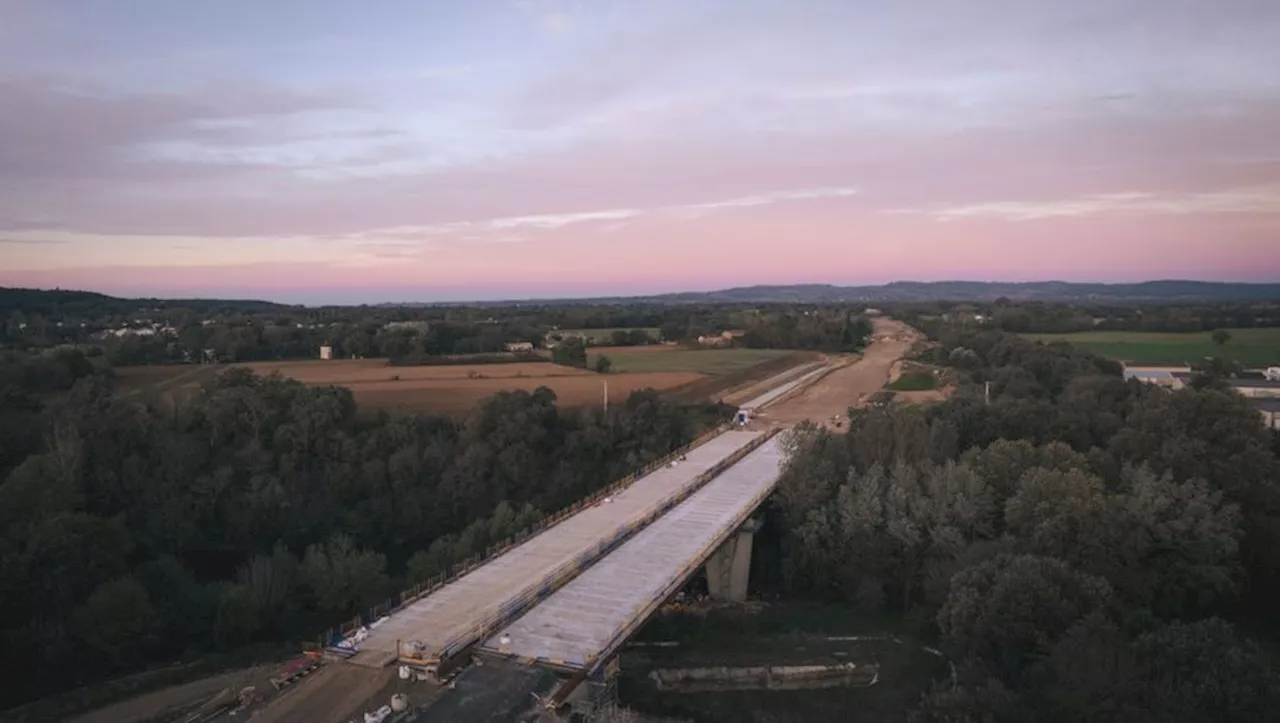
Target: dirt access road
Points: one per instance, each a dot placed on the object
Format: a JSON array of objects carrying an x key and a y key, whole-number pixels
[{"x": 852, "y": 380}]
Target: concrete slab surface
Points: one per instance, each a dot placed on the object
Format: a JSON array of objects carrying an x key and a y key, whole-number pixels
[
  {"x": 782, "y": 389},
  {"x": 449, "y": 614},
  {"x": 582, "y": 620}
]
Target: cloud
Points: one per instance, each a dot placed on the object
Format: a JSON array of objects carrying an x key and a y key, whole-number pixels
[
  {"x": 766, "y": 199},
  {"x": 30, "y": 241},
  {"x": 60, "y": 128},
  {"x": 557, "y": 220},
  {"x": 1251, "y": 200},
  {"x": 555, "y": 16}
]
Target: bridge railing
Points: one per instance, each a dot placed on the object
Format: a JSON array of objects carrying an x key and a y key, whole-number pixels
[
  {"x": 701, "y": 480},
  {"x": 331, "y": 638}
]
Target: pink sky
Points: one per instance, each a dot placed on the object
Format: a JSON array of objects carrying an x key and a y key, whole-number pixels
[{"x": 546, "y": 148}]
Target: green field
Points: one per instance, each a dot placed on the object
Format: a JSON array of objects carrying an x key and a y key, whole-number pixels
[
  {"x": 915, "y": 382},
  {"x": 604, "y": 337},
  {"x": 703, "y": 361},
  {"x": 1250, "y": 347}
]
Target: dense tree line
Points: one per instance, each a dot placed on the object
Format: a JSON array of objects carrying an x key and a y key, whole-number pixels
[
  {"x": 139, "y": 530},
  {"x": 1055, "y": 318},
  {"x": 1081, "y": 545},
  {"x": 150, "y": 331}
]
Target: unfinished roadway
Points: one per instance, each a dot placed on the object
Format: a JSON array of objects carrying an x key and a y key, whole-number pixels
[{"x": 567, "y": 596}]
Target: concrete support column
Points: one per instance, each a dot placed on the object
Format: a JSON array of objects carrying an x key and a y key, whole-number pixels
[{"x": 729, "y": 568}]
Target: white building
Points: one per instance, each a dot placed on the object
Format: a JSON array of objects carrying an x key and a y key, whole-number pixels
[{"x": 326, "y": 352}]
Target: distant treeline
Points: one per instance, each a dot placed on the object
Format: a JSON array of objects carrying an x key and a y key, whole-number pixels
[
  {"x": 134, "y": 332},
  {"x": 1045, "y": 317}
]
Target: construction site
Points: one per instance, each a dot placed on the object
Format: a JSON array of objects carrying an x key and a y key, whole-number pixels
[{"x": 534, "y": 629}]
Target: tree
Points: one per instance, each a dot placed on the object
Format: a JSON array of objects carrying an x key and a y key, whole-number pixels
[
  {"x": 571, "y": 352},
  {"x": 603, "y": 364},
  {"x": 1174, "y": 546},
  {"x": 1221, "y": 336},
  {"x": 1060, "y": 515},
  {"x": 117, "y": 622},
  {"x": 1005, "y": 611},
  {"x": 343, "y": 577}
]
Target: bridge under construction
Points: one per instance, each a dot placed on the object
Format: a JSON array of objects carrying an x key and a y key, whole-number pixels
[{"x": 565, "y": 598}]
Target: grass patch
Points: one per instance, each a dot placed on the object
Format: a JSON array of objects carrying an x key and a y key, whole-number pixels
[
  {"x": 1250, "y": 347},
  {"x": 712, "y": 362},
  {"x": 915, "y": 382}
]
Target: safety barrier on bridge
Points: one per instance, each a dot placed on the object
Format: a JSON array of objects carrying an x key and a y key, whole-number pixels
[
  {"x": 332, "y": 639},
  {"x": 522, "y": 603}
]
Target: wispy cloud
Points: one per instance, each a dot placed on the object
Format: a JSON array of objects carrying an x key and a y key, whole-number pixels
[
  {"x": 765, "y": 199},
  {"x": 30, "y": 241},
  {"x": 556, "y": 220},
  {"x": 611, "y": 219},
  {"x": 1253, "y": 199}
]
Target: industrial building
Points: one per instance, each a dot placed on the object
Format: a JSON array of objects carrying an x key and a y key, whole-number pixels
[{"x": 1171, "y": 377}]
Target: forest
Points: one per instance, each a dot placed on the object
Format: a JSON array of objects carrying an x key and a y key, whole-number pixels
[
  {"x": 140, "y": 531},
  {"x": 150, "y": 331},
  {"x": 1084, "y": 549},
  {"x": 1060, "y": 318}
]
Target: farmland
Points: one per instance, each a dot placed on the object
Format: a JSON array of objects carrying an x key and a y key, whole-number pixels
[
  {"x": 695, "y": 375},
  {"x": 714, "y": 362},
  {"x": 362, "y": 371},
  {"x": 1250, "y": 347},
  {"x": 456, "y": 389},
  {"x": 452, "y": 389},
  {"x": 459, "y": 396}
]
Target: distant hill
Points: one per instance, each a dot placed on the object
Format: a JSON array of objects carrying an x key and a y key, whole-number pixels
[
  {"x": 51, "y": 301},
  {"x": 1147, "y": 291},
  {"x": 985, "y": 291},
  {"x": 45, "y": 301}
]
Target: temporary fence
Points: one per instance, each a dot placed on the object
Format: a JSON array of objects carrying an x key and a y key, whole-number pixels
[{"x": 331, "y": 639}]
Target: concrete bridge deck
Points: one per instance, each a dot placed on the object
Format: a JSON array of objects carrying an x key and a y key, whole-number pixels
[
  {"x": 587, "y": 619},
  {"x": 457, "y": 614}
]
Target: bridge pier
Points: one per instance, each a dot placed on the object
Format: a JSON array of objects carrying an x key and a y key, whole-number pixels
[{"x": 729, "y": 567}]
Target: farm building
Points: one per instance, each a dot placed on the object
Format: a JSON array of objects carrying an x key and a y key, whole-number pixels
[
  {"x": 1171, "y": 377},
  {"x": 326, "y": 353},
  {"x": 1269, "y": 408},
  {"x": 1272, "y": 374},
  {"x": 1257, "y": 388},
  {"x": 519, "y": 346}
]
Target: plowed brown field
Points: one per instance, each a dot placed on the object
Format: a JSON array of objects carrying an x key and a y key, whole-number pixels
[
  {"x": 356, "y": 371},
  {"x": 458, "y": 396},
  {"x": 455, "y": 389}
]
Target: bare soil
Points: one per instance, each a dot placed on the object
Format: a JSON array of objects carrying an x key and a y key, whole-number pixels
[
  {"x": 336, "y": 693},
  {"x": 849, "y": 383},
  {"x": 177, "y": 698},
  {"x": 359, "y": 371},
  {"x": 460, "y": 396}
]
